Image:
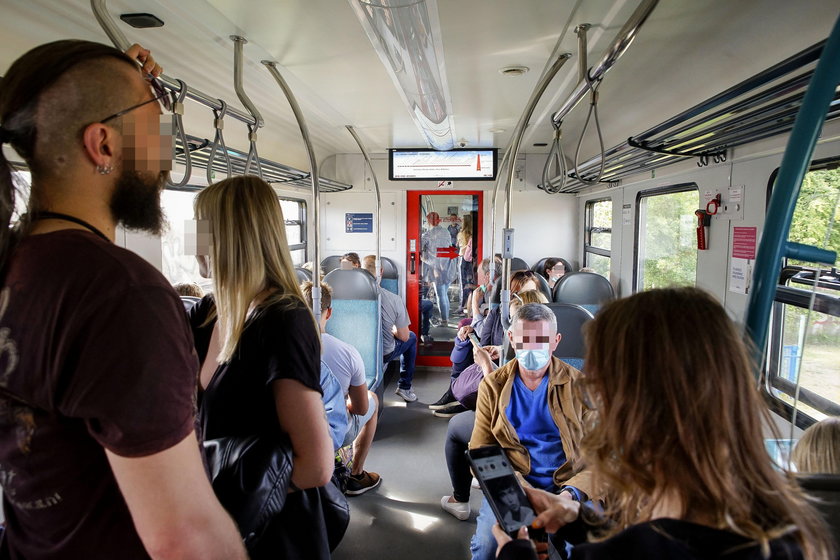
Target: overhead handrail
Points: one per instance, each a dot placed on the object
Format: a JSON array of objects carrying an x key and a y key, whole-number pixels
[
  {"x": 557, "y": 157},
  {"x": 619, "y": 45},
  {"x": 238, "y": 54},
  {"x": 178, "y": 112},
  {"x": 219, "y": 141},
  {"x": 316, "y": 183},
  {"x": 513, "y": 151},
  {"x": 109, "y": 26},
  {"x": 378, "y": 197},
  {"x": 795, "y": 163}
]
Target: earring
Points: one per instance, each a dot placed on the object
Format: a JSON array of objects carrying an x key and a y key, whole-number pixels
[{"x": 104, "y": 169}]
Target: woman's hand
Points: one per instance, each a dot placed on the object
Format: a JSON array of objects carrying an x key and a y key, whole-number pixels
[
  {"x": 483, "y": 358},
  {"x": 554, "y": 510},
  {"x": 503, "y": 538}
]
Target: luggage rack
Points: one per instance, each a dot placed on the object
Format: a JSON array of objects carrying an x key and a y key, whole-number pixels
[{"x": 273, "y": 172}]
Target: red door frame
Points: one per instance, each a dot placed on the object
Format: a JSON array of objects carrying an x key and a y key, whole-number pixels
[{"x": 412, "y": 284}]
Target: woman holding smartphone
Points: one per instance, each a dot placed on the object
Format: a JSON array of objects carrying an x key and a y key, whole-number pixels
[
  {"x": 678, "y": 444},
  {"x": 258, "y": 344}
]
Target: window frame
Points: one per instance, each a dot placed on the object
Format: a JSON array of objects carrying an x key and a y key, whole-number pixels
[
  {"x": 797, "y": 297},
  {"x": 301, "y": 222},
  {"x": 588, "y": 214},
  {"x": 648, "y": 193}
]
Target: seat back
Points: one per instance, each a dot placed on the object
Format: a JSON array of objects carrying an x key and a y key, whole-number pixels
[
  {"x": 390, "y": 276},
  {"x": 539, "y": 267},
  {"x": 189, "y": 301},
  {"x": 826, "y": 488},
  {"x": 330, "y": 263},
  {"x": 303, "y": 275},
  {"x": 570, "y": 321},
  {"x": 587, "y": 289},
  {"x": 356, "y": 318},
  {"x": 518, "y": 264},
  {"x": 496, "y": 290}
]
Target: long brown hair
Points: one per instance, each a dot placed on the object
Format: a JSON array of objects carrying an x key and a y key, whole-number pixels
[
  {"x": 680, "y": 419},
  {"x": 249, "y": 252}
]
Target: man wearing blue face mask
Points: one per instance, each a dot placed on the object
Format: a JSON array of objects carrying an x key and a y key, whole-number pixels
[{"x": 531, "y": 409}]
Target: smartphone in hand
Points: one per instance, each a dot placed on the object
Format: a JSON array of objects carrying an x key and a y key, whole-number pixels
[
  {"x": 495, "y": 474},
  {"x": 474, "y": 340}
]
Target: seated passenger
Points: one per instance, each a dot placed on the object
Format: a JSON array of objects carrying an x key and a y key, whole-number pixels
[
  {"x": 190, "y": 289},
  {"x": 818, "y": 450},
  {"x": 553, "y": 270},
  {"x": 531, "y": 408},
  {"x": 678, "y": 441},
  {"x": 397, "y": 340},
  {"x": 352, "y": 259},
  {"x": 490, "y": 332},
  {"x": 460, "y": 429},
  {"x": 347, "y": 366}
]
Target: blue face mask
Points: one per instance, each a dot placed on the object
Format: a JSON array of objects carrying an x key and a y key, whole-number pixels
[{"x": 533, "y": 360}]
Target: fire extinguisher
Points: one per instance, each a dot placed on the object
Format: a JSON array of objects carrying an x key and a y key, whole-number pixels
[{"x": 704, "y": 220}]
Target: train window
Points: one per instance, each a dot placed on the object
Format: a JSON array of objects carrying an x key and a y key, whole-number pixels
[
  {"x": 666, "y": 242},
  {"x": 805, "y": 345},
  {"x": 178, "y": 267},
  {"x": 597, "y": 236},
  {"x": 294, "y": 213}
]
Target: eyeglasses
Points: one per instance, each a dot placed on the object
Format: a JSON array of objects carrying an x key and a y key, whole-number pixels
[{"x": 161, "y": 94}]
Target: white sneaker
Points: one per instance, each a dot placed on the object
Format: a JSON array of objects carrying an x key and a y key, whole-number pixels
[
  {"x": 460, "y": 510},
  {"x": 406, "y": 394}
]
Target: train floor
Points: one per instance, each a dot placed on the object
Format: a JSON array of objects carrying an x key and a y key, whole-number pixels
[{"x": 403, "y": 518}]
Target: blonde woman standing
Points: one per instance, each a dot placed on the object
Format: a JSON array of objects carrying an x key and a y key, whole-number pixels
[{"x": 258, "y": 343}]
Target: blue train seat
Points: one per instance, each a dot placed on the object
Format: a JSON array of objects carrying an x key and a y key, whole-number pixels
[
  {"x": 356, "y": 318},
  {"x": 390, "y": 276},
  {"x": 587, "y": 289}
]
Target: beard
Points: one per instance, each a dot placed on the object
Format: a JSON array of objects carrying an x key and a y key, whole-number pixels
[{"x": 135, "y": 203}]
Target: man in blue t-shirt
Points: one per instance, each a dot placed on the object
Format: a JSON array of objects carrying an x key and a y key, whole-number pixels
[
  {"x": 344, "y": 383},
  {"x": 530, "y": 408}
]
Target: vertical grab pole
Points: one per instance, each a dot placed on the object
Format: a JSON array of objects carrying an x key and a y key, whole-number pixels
[
  {"x": 795, "y": 163},
  {"x": 316, "y": 186},
  {"x": 513, "y": 151},
  {"x": 378, "y": 198},
  {"x": 238, "y": 48}
]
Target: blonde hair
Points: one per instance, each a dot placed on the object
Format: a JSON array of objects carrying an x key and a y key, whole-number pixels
[
  {"x": 249, "y": 253},
  {"x": 818, "y": 451},
  {"x": 679, "y": 418},
  {"x": 466, "y": 230}
]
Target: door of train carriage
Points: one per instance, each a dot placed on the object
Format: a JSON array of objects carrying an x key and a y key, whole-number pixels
[{"x": 443, "y": 249}]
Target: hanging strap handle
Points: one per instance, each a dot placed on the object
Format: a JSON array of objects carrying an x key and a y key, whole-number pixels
[{"x": 219, "y": 141}]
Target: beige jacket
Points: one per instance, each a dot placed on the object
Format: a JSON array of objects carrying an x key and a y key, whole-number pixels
[{"x": 492, "y": 426}]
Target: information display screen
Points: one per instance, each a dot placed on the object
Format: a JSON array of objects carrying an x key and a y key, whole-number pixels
[{"x": 427, "y": 165}]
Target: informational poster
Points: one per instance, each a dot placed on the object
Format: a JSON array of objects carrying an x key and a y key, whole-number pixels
[
  {"x": 358, "y": 222},
  {"x": 627, "y": 214},
  {"x": 743, "y": 255}
]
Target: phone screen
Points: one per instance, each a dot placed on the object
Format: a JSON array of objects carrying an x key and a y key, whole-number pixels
[
  {"x": 474, "y": 339},
  {"x": 501, "y": 488}
]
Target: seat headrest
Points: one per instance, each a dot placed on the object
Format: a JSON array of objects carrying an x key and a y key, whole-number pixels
[
  {"x": 389, "y": 269},
  {"x": 303, "y": 275},
  {"x": 583, "y": 288},
  {"x": 355, "y": 283},
  {"x": 330, "y": 263}
]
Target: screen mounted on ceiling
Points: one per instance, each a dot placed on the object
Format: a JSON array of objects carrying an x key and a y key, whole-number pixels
[{"x": 454, "y": 165}]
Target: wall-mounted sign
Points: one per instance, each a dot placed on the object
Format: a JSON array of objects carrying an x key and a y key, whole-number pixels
[{"x": 358, "y": 222}]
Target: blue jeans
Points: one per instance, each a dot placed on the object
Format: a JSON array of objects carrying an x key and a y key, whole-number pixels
[
  {"x": 408, "y": 350},
  {"x": 442, "y": 293},
  {"x": 483, "y": 543},
  {"x": 426, "y": 306}
]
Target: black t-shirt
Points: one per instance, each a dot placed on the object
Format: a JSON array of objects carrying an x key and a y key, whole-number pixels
[
  {"x": 668, "y": 538},
  {"x": 94, "y": 341},
  {"x": 279, "y": 341}
]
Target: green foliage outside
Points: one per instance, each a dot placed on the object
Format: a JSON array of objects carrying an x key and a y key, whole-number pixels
[
  {"x": 668, "y": 242},
  {"x": 817, "y": 212}
]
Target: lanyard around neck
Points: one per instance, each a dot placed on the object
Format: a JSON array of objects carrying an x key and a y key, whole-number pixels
[{"x": 46, "y": 215}]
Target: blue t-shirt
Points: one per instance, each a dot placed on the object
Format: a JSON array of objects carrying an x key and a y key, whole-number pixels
[{"x": 531, "y": 419}]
